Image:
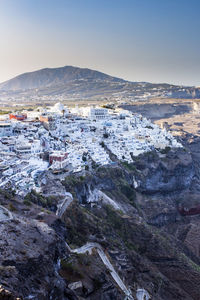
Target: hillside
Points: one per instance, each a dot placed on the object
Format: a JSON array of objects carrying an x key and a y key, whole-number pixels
[
  {"x": 49, "y": 77},
  {"x": 138, "y": 231},
  {"x": 78, "y": 83}
]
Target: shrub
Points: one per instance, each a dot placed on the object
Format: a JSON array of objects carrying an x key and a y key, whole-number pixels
[
  {"x": 27, "y": 202},
  {"x": 113, "y": 217},
  {"x": 105, "y": 135},
  {"x": 84, "y": 158},
  {"x": 82, "y": 178},
  {"x": 46, "y": 202},
  {"x": 166, "y": 150},
  {"x": 128, "y": 192},
  {"x": 11, "y": 207},
  {"x": 128, "y": 166},
  {"x": 102, "y": 144},
  {"x": 70, "y": 268}
]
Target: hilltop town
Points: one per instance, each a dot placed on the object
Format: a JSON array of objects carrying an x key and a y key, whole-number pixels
[{"x": 72, "y": 141}]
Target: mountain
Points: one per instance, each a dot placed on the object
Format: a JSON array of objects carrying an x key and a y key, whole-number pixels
[
  {"x": 49, "y": 77},
  {"x": 78, "y": 83}
]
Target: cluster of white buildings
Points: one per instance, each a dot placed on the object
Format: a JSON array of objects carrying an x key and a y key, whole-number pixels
[{"x": 72, "y": 141}]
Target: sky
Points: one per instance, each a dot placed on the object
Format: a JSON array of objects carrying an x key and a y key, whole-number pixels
[{"x": 138, "y": 40}]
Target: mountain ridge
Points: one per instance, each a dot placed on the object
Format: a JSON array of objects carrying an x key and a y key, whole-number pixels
[
  {"x": 71, "y": 82},
  {"x": 68, "y": 73}
]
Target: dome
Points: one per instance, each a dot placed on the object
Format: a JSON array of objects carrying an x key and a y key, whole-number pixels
[{"x": 59, "y": 107}]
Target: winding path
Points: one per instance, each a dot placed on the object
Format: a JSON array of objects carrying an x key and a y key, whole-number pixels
[
  {"x": 5, "y": 214},
  {"x": 63, "y": 205},
  {"x": 88, "y": 247},
  {"x": 142, "y": 294}
]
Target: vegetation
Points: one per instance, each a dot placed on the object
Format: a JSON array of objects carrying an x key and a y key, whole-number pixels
[
  {"x": 102, "y": 144},
  {"x": 72, "y": 180},
  {"x": 129, "y": 167},
  {"x": 113, "y": 217},
  {"x": 128, "y": 192},
  {"x": 105, "y": 135},
  {"x": 187, "y": 260},
  {"x": 94, "y": 165},
  {"x": 166, "y": 150},
  {"x": 70, "y": 268},
  {"x": 8, "y": 194},
  {"x": 108, "y": 106},
  {"x": 11, "y": 207},
  {"x": 46, "y": 202},
  {"x": 27, "y": 202},
  {"x": 84, "y": 158},
  {"x": 84, "y": 259},
  {"x": 4, "y": 112}
]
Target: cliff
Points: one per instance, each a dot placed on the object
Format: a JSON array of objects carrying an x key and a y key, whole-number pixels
[{"x": 131, "y": 211}]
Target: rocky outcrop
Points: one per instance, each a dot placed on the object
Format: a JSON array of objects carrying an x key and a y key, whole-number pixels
[
  {"x": 172, "y": 173},
  {"x": 30, "y": 247},
  {"x": 157, "y": 183},
  {"x": 151, "y": 173},
  {"x": 7, "y": 295},
  {"x": 164, "y": 219}
]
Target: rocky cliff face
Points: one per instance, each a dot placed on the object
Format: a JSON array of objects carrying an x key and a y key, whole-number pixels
[
  {"x": 130, "y": 210},
  {"x": 172, "y": 173},
  {"x": 154, "y": 181},
  {"x": 150, "y": 191},
  {"x": 30, "y": 248}
]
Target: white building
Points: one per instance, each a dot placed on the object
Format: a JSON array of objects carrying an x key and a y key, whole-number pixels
[
  {"x": 36, "y": 147},
  {"x": 98, "y": 113},
  {"x": 59, "y": 109},
  {"x": 5, "y": 129}
]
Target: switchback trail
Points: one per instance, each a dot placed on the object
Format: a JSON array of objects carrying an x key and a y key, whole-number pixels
[{"x": 88, "y": 247}]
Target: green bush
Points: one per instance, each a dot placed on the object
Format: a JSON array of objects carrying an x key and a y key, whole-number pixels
[
  {"x": 4, "y": 112},
  {"x": 166, "y": 150},
  {"x": 113, "y": 218},
  {"x": 84, "y": 158},
  {"x": 102, "y": 144},
  {"x": 11, "y": 207},
  {"x": 46, "y": 202},
  {"x": 71, "y": 268},
  {"x": 128, "y": 166},
  {"x": 128, "y": 192},
  {"x": 27, "y": 202}
]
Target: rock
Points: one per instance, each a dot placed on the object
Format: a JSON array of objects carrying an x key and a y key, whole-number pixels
[
  {"x": 29, "y": 250},
  {"x": 7, "y": 295},
  {"x": 173, "y": 174},
  {"x": 75, "y": 285}
]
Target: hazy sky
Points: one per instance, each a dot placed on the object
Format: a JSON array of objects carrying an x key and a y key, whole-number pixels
[{"x": 138, "y": 40}]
